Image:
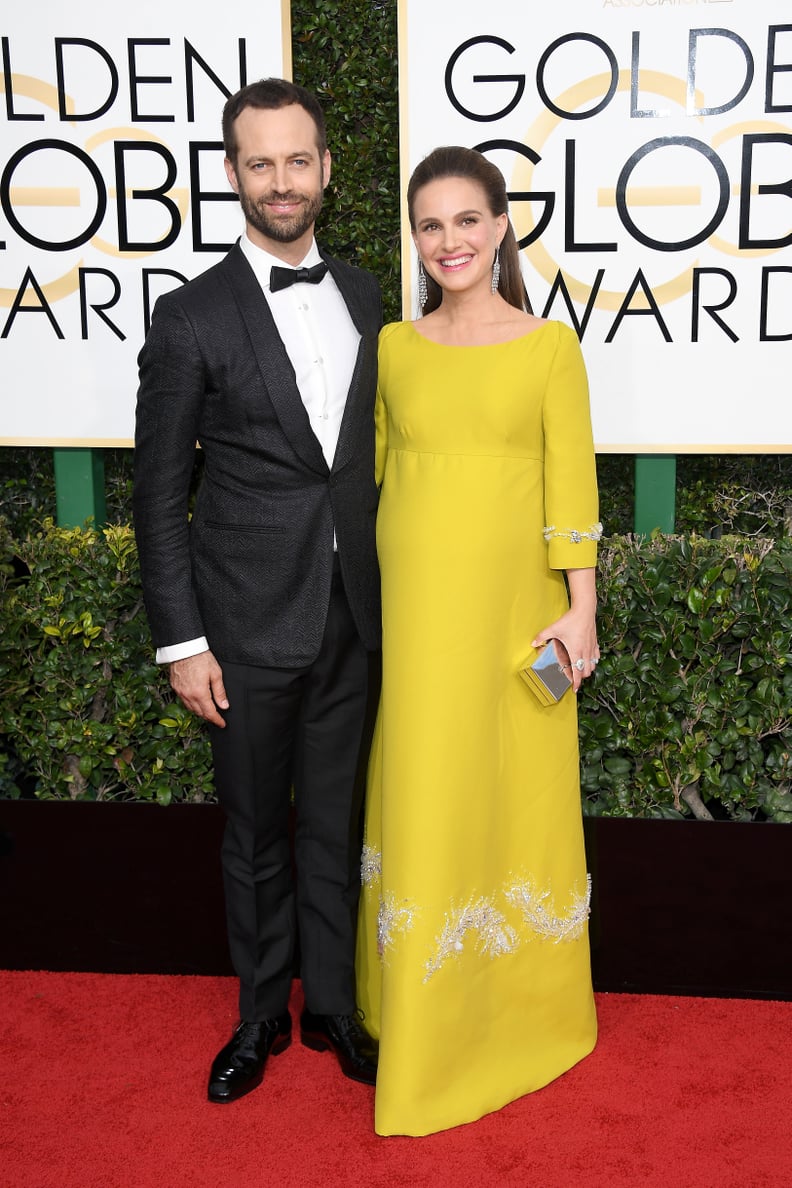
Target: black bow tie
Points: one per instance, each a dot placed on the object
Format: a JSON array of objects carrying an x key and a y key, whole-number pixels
[{"x": 281, "y": 278}]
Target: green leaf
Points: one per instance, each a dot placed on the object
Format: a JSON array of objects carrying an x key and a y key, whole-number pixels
[{"x": 695, "y": 600}]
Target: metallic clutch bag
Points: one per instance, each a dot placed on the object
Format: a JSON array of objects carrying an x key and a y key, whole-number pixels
[{"x": 545, "y": 674}]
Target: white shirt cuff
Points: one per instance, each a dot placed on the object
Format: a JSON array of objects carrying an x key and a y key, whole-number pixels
[{"x": 192, "y": 647}]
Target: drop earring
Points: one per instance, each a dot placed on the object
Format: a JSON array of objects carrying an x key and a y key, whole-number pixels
[
  {"x": 496, "y": 271},
  {"x": 423, "y": 290}
]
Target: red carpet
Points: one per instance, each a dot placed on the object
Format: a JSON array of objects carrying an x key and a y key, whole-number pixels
[{"x": 103, "y": 1083}]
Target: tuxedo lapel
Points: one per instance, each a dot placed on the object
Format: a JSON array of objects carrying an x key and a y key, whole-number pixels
[
  {"x": 366, "y": 360},
  {"x": 274, "y": 364}
]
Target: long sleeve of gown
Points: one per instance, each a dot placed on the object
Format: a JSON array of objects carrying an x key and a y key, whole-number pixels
[{"x": 570, "y": 476}]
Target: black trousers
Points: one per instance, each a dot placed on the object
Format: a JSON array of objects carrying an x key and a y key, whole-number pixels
[{"x": 300, "y": 728}]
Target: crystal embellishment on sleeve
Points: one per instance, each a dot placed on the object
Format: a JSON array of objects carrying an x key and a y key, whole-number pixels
[{"x": 574, "y": 534}]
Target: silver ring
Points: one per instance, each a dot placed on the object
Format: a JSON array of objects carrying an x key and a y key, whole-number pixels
[
  {"x": 580, "y": 664},
  {"x": 594, "y": 660}
]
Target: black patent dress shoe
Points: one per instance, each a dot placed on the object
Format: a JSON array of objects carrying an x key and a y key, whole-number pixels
[
  {"x": 239, "y": 1067},
  {"x": 355, "y": 1049}
]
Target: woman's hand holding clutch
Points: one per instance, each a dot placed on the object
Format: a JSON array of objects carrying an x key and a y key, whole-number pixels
[{"x": 576, "y": 631}]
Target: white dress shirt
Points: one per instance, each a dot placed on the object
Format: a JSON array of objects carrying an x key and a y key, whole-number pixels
[{"x": 322, "y": 343}]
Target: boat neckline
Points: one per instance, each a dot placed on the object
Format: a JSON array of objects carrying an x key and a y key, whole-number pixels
[{"x": 477, "y": 345}]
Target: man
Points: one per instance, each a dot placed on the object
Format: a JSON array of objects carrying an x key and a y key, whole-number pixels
[{"x": 266, "y": 603}]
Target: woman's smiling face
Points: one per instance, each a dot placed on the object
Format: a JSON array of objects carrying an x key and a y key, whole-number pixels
[{"x": 456, "y": 234}]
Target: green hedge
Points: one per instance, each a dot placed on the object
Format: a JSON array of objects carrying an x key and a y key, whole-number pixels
[
  {"x": 85, "y": 712},
  {"x": 691, "y": 707},
  {"x": 689, "y": 712}
]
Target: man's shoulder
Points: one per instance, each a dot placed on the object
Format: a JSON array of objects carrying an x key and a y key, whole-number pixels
[
  {"x": 204, "y": 286},
  {"x": 352, "y": 273}
]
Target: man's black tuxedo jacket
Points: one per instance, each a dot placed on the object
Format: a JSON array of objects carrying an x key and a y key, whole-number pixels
[{"x": 252, "y": 570}]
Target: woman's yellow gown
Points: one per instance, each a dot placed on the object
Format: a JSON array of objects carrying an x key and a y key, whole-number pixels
[{"x": 473, "y": 963}]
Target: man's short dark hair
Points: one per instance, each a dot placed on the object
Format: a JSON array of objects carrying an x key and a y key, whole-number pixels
[{"x": 270, "y": 94}]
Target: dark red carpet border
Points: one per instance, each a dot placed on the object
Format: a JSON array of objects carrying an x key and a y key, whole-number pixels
[{"x": 104, "y": 1077}]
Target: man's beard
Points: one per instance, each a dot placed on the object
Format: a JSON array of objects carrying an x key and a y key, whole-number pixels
[{"x": 281, "y": 228}]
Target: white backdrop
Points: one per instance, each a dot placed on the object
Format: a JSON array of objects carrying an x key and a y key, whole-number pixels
[
  {"x": 101, "y": 100},
  {"x": 656, "y": 139}
]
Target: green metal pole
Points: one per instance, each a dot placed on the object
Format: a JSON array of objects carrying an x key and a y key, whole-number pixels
[
  {"x": 79, "y": 486},
  {"x": 655, "y": 493}
]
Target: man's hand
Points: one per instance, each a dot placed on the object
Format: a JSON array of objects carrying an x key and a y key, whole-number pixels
[{"x": 198, "y": 682}]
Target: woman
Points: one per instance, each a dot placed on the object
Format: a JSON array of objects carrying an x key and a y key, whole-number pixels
[{"x": 473, "y": 950}]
